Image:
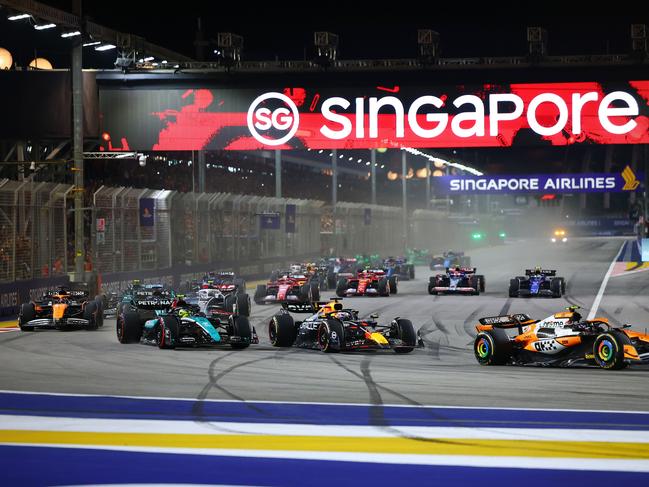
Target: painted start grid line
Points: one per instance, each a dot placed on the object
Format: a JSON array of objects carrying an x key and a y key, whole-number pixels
[{"x": 51, "y": 439}]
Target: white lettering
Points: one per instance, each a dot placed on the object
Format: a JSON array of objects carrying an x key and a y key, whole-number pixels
[
  {"x": 561, "y": 120},
  {"x": 264, "y": 119},
  {"x": 495, "y": 116},
  {"x": 476, "y": 116},
  {"x": 578, "y": 101},
  {"x": 440, "y": 118},
  {"x": 375, "y": 105},
  {"x": 605, "y": 111},
  {"x": 336, "y": 118}
]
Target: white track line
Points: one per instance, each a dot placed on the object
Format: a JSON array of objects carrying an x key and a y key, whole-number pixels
[{"x": 602, "y": 288}]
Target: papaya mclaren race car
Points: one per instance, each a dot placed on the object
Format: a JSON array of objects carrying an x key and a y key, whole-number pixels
[
  {"x": 184, "y": 325},
  {"x": 371, "y": 282},
  {"x": 63, "y": 309},
  {"x": 561, "y": 339},
  {"x": 336, "y": 329}
]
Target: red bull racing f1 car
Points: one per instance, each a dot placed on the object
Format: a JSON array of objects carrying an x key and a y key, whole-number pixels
[
  {"x": 562, "y": 339},
  {"x": 336, "y": 329}
]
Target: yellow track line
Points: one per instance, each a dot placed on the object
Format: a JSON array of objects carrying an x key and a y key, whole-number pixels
[
  {"x": 8, "y": 324},
  {"x": 522, "y": 448}
]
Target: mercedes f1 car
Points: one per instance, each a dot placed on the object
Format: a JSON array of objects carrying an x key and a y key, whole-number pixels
[
  {"x": 562, "y": 339},
  {"x": 371, "y": 282},
  {"x": 183, "y": 325},
  {"x": 336, "y": 329},
  {"x": 452, "y": 258},
  {"x": 537, "y": 282},
  {"x": 64, "y": 309},
  {"x": 285, "y": 287},
  {"x": 458, "y": 280}
]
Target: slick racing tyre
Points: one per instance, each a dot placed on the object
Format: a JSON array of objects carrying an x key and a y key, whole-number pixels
[
  {"x": 331, "y": 336},
  {"x": 27, "y": 313},
  {"x": 474, "y": 282},
  {"x": 129, "y": 327},
  {"x": 481, "y": 283},
  {"x": 556, "y": 287},
  {"x": 241, "y": 285},
  {"x": 393, "y": 284},
  {"x": 167, "y": 332},
  {"x": 411, "y": 271},
  {"x": 243, "y": 304},
  {"x": 241, "y": 328},
  {"x": 341, "y": 287},
  {"x": 315, "y": 291},
  {"x": 383, "y": 287},
  {"x": 100, "y": 312},
  {"x": 260, "y": 294},
  {"x": 281, "y": 331},
  {"x": 608, "y": 350},
  {"x": 514, "y": 286},
  {"x": 492, "y": 347},
  {"x": 404, "y": 331},
  {"x": 91, "y": 313}
]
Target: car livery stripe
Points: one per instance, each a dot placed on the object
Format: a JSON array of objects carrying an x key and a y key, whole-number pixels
[{"x": 205, "y": 324}]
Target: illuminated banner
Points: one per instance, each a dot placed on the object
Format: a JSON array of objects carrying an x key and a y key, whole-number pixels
[
  {"x": 627, "y": 180},
  {"x": 296, "y": 117}
]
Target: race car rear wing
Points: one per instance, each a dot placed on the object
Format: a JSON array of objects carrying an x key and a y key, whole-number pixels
[
  {"x": 466, "y": 270},
  {"x": 299, "y": 307},
  {"x": 506, "y": 321},
  {"x": 545, "y": 272}
]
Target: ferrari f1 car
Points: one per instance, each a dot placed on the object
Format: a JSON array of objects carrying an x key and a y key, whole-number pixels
[
  {"x": 286, "y": 287},
  {"x": 459, "y": 280},
  {"x": 336, "y": 329},
  {"x": 561, "y": 339},
  {"x": 537, "y": 282},
  {"x": 183, "y": 325},
  {"x": 452, "y": 258},
  {"x": 64, "y": 309},
  {"x": 371, "y": 282}
]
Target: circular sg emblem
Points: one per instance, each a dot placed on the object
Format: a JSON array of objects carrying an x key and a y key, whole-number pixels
[{"x": 261, "y": 119}]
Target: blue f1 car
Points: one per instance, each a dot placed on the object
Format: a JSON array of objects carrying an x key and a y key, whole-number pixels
[{"x": 537, "y": 282}]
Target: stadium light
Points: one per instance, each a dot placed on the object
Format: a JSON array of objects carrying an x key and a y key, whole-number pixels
[
  {"x": 148, "y": 58},
  {"x": 105, "y": 47},
  {"x": 74, "y": 33},
  {"x": 19, "y": 17},
  {"x": 444, "y": 162},
  {"x": 44, "y": 26},
  {"x": 93, "y": 43}
]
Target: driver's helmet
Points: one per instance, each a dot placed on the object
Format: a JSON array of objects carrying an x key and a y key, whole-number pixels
[
  {"x": 457, "y": 269},
  {"x": 343, "y": 315},
  {"x": 183, "y": 313},
  {"x": 296, "y": 269},
  {"x": 537, "y": 269}
]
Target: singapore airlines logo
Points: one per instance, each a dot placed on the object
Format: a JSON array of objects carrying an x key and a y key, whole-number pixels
[{"x": 630, "y": 181}]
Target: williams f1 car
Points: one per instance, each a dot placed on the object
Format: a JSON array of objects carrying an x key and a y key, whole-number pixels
[
  {"x": 562, "y": 339},
  {"x": 336, "y": 329},
  {"x": 63, "y": 309},
  {"x": 459, "y": 280},
  {"x": 537, "y": 282}
]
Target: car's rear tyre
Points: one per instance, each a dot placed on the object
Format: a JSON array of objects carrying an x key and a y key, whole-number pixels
[
  {"x": 474, "y": 282},
  {"x": 281, "y": 331},
  {"x": 405, "y": 331},
  {"x": 393, "y": 284},
  {"x": 241, "y": 285},
  {"x": 229, "y": 301},
  {"x": 91, "y": 313},
  {"x": 383, "y": 287},
  {"x": 260, "y": 294},
  {"x": 514, "y": 286},
  {"x": 492, "y": 347},
  {"x": 27, "y": 313},
  {"x": 331, "y": 336},
  {"x": 241, "y": 328},
  {"x": 100, "y": 313},
  {"x": 411, "y": 271},
  {"x": 315, "y": 291},
  {"x": 481, "y": 282},
  {"x": 167, "y": 332},
  {"x": 555, "y": 287},
  {"x": 608, "y": 350},
  {"x": 243, "y": 304},
  {"x": 129, "y": 327},
  {"x": 341, "y": 287}
]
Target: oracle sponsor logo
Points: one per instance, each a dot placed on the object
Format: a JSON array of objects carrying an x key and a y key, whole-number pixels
[{"x": 470, "y": 121}]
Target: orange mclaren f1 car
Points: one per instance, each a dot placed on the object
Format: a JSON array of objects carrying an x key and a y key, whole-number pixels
[{"x": 563, "y": 339}]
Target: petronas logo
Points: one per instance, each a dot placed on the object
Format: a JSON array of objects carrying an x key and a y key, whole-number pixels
[{"x": 630, "y": 181}]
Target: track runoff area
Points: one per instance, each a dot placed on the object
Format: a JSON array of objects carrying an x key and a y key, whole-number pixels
[{"x": 80, "y": 408}]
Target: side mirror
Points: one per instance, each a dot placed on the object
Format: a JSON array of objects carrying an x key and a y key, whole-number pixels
[{"x": 374, "y": 316}]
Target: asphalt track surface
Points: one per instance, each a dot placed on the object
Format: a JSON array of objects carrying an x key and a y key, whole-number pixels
[{"x": 443, "y": 373}]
